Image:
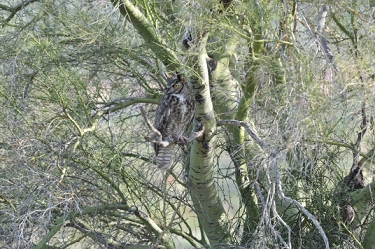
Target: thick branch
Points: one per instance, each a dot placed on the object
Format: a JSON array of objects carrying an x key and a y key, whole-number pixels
[
  {"x": 149, "y": 34},
  {"x": 209, "y": 208},
  {"x": 369, "y": 240},
  {"x": 364, "y": 195}
]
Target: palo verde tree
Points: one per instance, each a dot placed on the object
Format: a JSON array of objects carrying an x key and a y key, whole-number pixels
[{"x": 284, "y": 97}]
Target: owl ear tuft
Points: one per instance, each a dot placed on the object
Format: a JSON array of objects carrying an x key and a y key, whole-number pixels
[
  {"x": 180, "y": 77},
  {"x": 167, "y": 75}
]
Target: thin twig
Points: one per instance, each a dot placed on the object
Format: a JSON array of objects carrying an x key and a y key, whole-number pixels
[
  {"x": 248, "y": 129},
  {"x": 352, "y": 235},
  {"x": 273, "y": 161},
  {"x": 143, "y": 112},
  {"x": 172, "y": 219}
]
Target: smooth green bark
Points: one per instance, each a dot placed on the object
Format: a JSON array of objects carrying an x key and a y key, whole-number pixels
[
  {"x": 204, "y": 194},
  {"x": 369, "y": 240},
  {"x": 362, "y": 200},
  {"x": 201, "y": 181},
  {"x": 147, "y": 31}
]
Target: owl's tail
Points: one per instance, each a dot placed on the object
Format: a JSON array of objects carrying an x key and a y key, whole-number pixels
[{"x": 164, "y": 158}]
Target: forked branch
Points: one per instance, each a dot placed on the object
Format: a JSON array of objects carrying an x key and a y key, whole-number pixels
[{"x": 272, "y": 158}]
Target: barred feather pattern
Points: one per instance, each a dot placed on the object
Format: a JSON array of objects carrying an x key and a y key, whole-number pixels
[
  {"x": 174, "y": 114},
  {"x": 165, "y": 156}
]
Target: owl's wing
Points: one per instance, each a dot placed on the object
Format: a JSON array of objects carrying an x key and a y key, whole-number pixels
[{"x": 161, "y": 120}]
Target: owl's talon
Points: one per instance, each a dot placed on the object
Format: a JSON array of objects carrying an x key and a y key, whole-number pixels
[
  {"x": 164, "y": 143},
  {"x": 183, "y": 140}
]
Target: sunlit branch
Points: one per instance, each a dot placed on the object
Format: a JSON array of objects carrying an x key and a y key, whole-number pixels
[{"x": 148, "y": 32}]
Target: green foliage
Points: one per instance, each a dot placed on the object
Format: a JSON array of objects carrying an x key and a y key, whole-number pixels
[{"x": 76, "y": 169}]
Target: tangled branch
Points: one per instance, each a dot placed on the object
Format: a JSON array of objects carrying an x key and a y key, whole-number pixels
[{"x": 272, "y": 158}]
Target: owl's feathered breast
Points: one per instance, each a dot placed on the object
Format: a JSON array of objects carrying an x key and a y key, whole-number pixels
[{"x": 174, "y": 113}]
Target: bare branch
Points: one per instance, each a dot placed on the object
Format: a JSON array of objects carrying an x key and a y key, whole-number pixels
[
  {"x": 276, "y": 214},
  {"x": 323, "y": 41},
  {"x": 361, "y": 134},
  {"x": 273, "y": 162},
  {"x": 149, "y": 125},
  {"x": 248, "y": 129}
]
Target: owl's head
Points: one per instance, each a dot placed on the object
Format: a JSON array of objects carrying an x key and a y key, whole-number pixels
[{"x": 176, "y": 84}]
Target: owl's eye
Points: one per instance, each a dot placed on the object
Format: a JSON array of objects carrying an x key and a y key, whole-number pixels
[{"x": 177, "y": 86}]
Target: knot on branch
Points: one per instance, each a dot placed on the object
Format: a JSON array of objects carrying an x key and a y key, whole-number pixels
[
  {"x": 353, "y": 181},
  {"x": 347, "y": 211},
  {"x": 187, "y": 39}
]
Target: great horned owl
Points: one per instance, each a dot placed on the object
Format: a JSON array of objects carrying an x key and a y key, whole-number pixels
[{"x": 173, "y": 116}]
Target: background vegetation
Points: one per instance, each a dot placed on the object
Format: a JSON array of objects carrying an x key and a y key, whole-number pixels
[{"x": 284, "y": 91}]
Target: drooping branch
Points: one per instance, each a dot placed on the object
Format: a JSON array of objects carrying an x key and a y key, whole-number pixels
[
  {"x": 208, "y": 206},
  {"x": 149, "y": 34}
]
